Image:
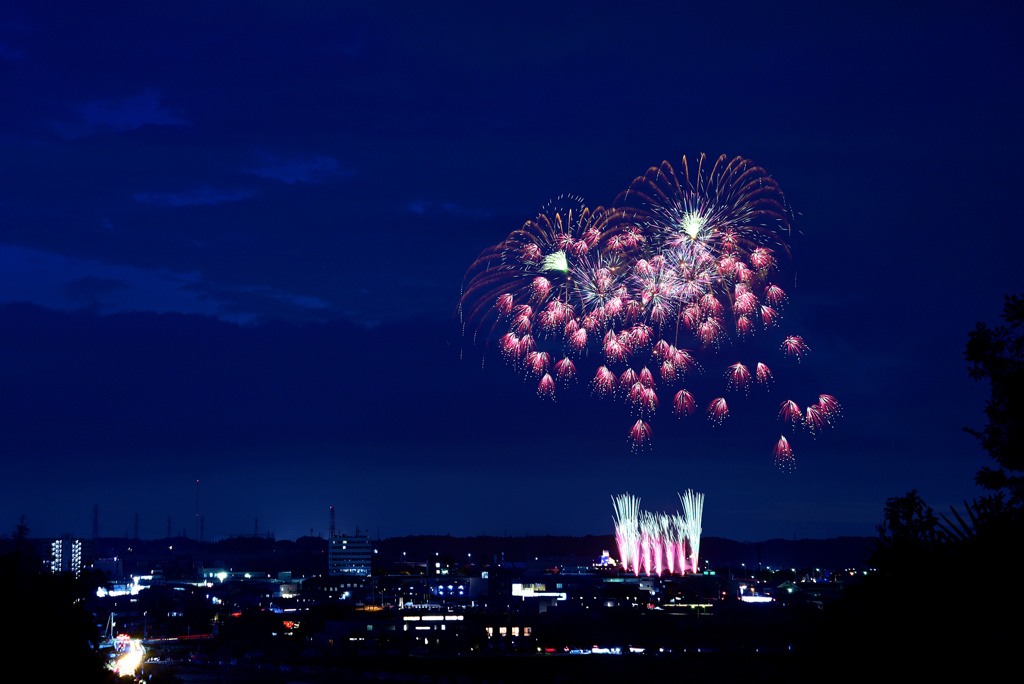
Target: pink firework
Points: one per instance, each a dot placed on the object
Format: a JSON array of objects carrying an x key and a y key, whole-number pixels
[
  {"x": 541, "y": 286},
  {"x": 669, "y": 373},
  {"x": 604, "y": 382},
  {"x": 829, "y": 406},
  {"x": 628, "y": 378},
  {"x": 684, "y": 404},
  {"x": 794, "y": 345},
  {"x": 640, "y": 434},
  {"x": 578, "y": 340},
  {"x": 546, "y": 388},
  {"x": 565, "y": 371},
  {"x": 683, "y": 360},
  {"x": 689, "y": 262},
  {"x": 644, "y": 398},
  {"x": 783, "y": 454},
  {"x": 537, "y": 363},
  {"x": 761, "y": 259},
  {"x": 738, "y": 377},
  {"x": 774, "y": 295},
  {"x": 509, "y": 344},
  {"x": 718, "y": 411},
  {"x": 614, "y": 349},
  {"x": 789, "y": 412},
  {"x": 816, "y": 419}
]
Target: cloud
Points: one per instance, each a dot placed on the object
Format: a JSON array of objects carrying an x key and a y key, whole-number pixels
[
  {"x": 60, "y": 282},
  {"x": 317, "y": 169},
  {"x": 191, "y": 198},
  {"x": 424, "y": 207},
  {"x": 91, "y": 290},
  {"x": 257, "y": 304},
  {"x": 68, "y": 284},
  {"x": 125, "y": 114}
]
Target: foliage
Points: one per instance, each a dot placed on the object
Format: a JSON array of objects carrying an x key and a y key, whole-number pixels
[
  {"x": 909, "y": 535},
  {"x": 39, "y": 602},
  {"x": 905, "y": 610},
  {"x": 998, "y": 355}
]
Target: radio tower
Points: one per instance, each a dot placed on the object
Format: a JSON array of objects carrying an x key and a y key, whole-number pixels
[
  {"x": 332, "y": 524},
  {"x": 197, "y": 511}
]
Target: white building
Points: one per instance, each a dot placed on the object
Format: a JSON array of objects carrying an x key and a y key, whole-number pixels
[{"x": 71, "y": 555}]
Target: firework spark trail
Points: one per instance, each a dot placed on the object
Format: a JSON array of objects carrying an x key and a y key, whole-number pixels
[
  {"x": 718, "y": 411},
  {"x": 815, "y": 418},
  {"x": 648, "y": 531},
  {"x": 679, "y": 536},
  {"x": 738, "y": 378},
  {"x": 669, "y": 539},
  {"x": 651, "y": 528},
  {"x": 689, "y": 258},
  {"x": 693, "y": 511},
  {"x": 627, "y": 512},
  {"x": 783, "y": 454},
  {"x": 789, "y": 412}
]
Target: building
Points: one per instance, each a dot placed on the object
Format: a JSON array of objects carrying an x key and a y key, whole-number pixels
[
  {"x": 349, "y": 556},
  {"x": 71, "y": 555}
]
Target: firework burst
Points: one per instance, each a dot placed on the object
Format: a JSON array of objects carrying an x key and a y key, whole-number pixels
[
  {"x": 783, "y": 454},
  {"x": 683, "y": 265}
]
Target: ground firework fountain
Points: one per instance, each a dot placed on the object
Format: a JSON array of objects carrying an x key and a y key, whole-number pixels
[{"x": 658, "y": 543}]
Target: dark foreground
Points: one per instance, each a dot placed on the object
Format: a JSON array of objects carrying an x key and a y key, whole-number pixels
[{"x": 702, "y": 667}]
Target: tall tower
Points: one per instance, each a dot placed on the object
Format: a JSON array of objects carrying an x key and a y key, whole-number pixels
[
  {"x": 332, "y": 528},
  {"x": 197, "y": 510}
]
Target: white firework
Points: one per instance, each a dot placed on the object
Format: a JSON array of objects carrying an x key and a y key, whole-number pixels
[
  {"x": 627, "y": 533},
  {"x": 693, "y": 511}
]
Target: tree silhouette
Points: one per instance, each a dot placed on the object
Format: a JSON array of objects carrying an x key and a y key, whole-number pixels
[
  {"x": 998, "y": 355},
  {"x": 934, "y": 571},
  {"x": 910, "y": 537},
  {"x": 46, "y": 626}
]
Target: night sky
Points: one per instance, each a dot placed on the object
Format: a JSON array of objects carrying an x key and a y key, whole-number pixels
[{"x": 233, "y": 237}]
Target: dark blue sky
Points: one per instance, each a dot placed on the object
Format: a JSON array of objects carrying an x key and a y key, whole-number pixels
[{"x": 232, "y": 237}]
